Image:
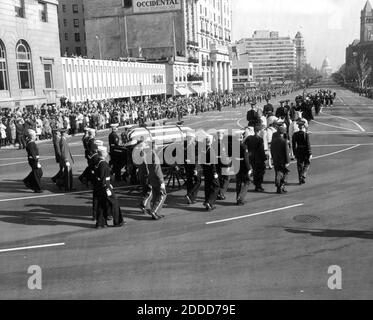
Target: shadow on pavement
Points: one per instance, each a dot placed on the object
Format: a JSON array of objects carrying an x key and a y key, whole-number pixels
[{"x": 329, "y": 233}]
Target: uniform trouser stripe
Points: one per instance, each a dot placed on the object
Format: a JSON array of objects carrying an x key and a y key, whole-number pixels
[{"x": 160, "y": 204}]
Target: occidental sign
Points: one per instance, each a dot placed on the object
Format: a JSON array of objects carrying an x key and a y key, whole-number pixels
[{"x": 156, "y": 6}]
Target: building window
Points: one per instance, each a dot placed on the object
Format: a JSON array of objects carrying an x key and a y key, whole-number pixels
[
  {"x": 78, "y": 51},
  {"x": 77, "y": 37},
  {"x": 234, "y": 72},
  {"x": 20, "y": 8},
  {"x": 24, "y": 65},
  {"x": 63, "y": 8},
  {"x": 3, "y": 68},
  {"x": 43, "y": 11},
  {"x": 75, "y": 8},
  {"x": 66, "y": 36},
  {"x": 65, "y": 22},
  {"x": 48, "y": 76},
  {"x": 127, "y": 3},
  {"x": 76, "y": 23}
]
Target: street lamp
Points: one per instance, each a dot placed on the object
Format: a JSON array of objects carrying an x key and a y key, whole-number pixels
[{"x": 99, "y": 46}]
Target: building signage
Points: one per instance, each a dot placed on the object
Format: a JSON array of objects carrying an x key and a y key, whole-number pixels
[{"x": 150, "y": 6}]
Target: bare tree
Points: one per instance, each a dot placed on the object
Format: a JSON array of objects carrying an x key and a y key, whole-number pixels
[{"x": 364, "y": 70}]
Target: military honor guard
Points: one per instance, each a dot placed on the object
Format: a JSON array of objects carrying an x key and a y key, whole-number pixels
[
  {"x": 65, "y": 182},
  {"x": 192, "y": 168},
  {"x": 90, "y": 150},
  {"x": 255, "y": 146},
  {"x": 243, "y": 175},
  {"x": 208, "y": 162},
  {"x": 115, "y": 153},
  {"x": 253, "y": 117},
  {"x": 56, "y": 137},
  {"x": 107, "y": 200},
  {"x": 224, "y": 163},
  {"x": 281, "y": 159},
  {"x": 33, "y": 180},
  {"x": 302, "y": 151},
  {"x": 268, "y": 109}
]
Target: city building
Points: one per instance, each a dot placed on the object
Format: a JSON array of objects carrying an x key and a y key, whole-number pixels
[
  {"x": 72, "y": 27},
  {"x": 300, "y": 51},
  {"x": 242, "y": 71},
  {"x": 326, "y": 69},
  {"x": 92, "y": 79},
  {"x": 365, "y": 46},
  {"x": 30, "y": 61},
  {"x": 192, "y": 37},
  {"x": 273, "y": 57}
]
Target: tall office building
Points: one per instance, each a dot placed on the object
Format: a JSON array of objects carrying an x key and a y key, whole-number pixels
[
  {"x": 72, "y": 27},
  {"x": 192, "y": 37},
  {"x": 273, "y": 57},
  {"x": 30, "y": 60},
  {"x": 300, "y": 50}
]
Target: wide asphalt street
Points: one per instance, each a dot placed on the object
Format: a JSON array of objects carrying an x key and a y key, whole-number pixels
[{"x": 276, "y": 247}]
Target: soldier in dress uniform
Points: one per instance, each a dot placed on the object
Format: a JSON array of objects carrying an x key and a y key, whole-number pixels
[
  {"x": 107, "y": 200},
  {"x": 33, "y": 180},
  {"x": 208, "y": 162},
  {"x": 193, "y": 172},
  {"x": 56, "y": 136},
  {"x": 223, "y": 164},
  {"x": 115, "y": 153},
  {"x": 243, "y": 176},
  {"x": 281, "y": 111},
  {"x": 90, "y": 149},
  {"x": 255, "y": 146},
  {"x": 281, "y": 159},
  {"x": 93, "y": 162},
  {"x": 268, "y": 109},
  {"x": 66, "y": 180},
  {"x": 253, "y": 116},
  {"x": 302, "y": 151}
]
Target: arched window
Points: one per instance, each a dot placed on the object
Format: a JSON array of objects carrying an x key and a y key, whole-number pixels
[
  {"x": 24, "y": 65},
  {"x": 3, "y": 68}
]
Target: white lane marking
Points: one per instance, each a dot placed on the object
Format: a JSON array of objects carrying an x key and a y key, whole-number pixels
[
  {"x": 337, "y": 152},
  {"x": 339, "y": 132},
  {"x": 341, "y": 145},
  {"x": 54, "y": 195},
  {"x": 33, "y": 247},
  {"x": 329, "y": 125},
  {"x": 255, "y": 214},
  {"x": 346, "y": 119}
]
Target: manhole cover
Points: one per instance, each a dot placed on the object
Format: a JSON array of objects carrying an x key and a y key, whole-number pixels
[{"x": 307, "y": 219}]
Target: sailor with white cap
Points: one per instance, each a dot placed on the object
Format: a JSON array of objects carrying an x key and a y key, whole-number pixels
[
  {"x": 107, "y": 204},
  {"x": 32, "y": 181}
]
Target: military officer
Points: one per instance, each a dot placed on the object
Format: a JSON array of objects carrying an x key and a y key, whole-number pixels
[
  {"x": 253, "y": 116},
  {"x": 302, "y": 151},
  {"x": 193, "y": 172},
  {"x": 223, "y": 164},
  {"x": 56, "y": 136},
  {"x": 255, "y": 146},
  {"x": 90, "y": 149},
  {"x": 243, "y": 175},
  {"x": 107, "y": 200},
  {"x": 115, "y": 154},
  {"x": 66, "y": 180},
  {"x": 208, "y": 162},
  {"x": 33, "y": 180},
  {"x": 268, "y": 109}
]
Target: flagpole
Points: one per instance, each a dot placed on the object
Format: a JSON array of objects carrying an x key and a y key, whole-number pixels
[{"x": 126, "y": 35}]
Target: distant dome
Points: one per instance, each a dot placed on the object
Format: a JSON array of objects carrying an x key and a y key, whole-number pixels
[{"x": 326, "y": 63}]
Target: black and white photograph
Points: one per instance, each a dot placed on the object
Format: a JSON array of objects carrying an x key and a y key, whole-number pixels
[{"x": 186, "y": 150}]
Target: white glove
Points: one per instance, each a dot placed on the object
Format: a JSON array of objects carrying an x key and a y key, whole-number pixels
[
  {"x": 311, "y": 157},
  {"x": 287, "y": 165},
  {"x": 39, "y": 165},
  {"x": 67, "y": 164},
  {"x": 108, "y": 192},
  {"x": 216, "y": 176},
  {"x": 163, "y": 186},
  {"x": 195, "y": 173},
  {"x": 250, "y": 172}
]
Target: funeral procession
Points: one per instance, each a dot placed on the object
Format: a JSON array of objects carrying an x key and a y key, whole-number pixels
[{"x": 186, "y": 150}]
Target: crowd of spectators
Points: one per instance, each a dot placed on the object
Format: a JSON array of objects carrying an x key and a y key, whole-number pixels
[{"x": 101, "y": 114}]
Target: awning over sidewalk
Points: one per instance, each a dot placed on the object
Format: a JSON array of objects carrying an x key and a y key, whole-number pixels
[
  {"x": 197, "y": 89},
  {"x": 183, "y": 91}
]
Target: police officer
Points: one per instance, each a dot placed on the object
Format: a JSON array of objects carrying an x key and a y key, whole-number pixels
[
  {"x": 33, "y": 180},
  {"x": 115, "y": 153},
  {"x": 243, "y": 175},
  {"x": 208, "y": 162},
  {"x": 255, "y": 146},
  {"x": 223, "y": 164},
  {"x": 107, "y": 199},
  {"x": 192, "y": 168},
  {"x": 302, "y": 151}
]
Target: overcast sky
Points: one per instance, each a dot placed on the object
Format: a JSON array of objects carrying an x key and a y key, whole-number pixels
[{"x": 328, "y": 26}]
